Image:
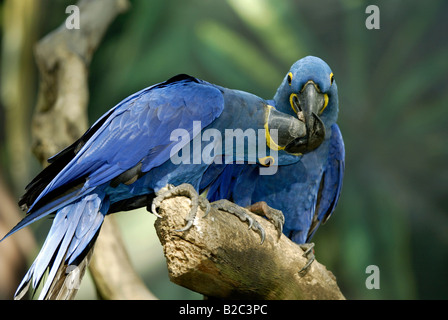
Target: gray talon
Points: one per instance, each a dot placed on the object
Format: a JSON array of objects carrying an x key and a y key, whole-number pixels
[
  {"x": 275, "y": 216},
  {"x": 308, "y": 253},
  {"x": 251, "y": 222},
  {"x": 186, "y": 190},
  {"x": 187, "y": 226},
  {"x": 205, "y": 206},
  {"x": 262, "y": 233},
  {"x": 241, "y": 213},
  {"x": 154, "y": 208}
]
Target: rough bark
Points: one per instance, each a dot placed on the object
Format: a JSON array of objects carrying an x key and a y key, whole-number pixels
[
  {"x": 220, "y": 257},
  {"x": 63, "y": 59}
]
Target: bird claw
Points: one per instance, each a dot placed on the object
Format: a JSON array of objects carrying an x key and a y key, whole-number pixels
[
  {"x": 275, "y": 216},
  {"x": 308, "y": 253},
  {"x": 241, "y": 213},
  {"x": 186, "y": 190},
  {"x": 187, "y": 226}
]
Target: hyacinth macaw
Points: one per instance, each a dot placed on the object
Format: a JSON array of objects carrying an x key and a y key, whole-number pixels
[
  {"x": 129, "y": 155},
  {"x": 307, "y": 191}
]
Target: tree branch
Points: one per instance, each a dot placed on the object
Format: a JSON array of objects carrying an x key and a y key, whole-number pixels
[
  {"x": 220, "y": 257},
  {"x": 63, "y": 58},
  {"x": 111, "y": 269}
]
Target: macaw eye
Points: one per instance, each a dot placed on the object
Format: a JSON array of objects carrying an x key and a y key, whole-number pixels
[
  {"x": 289, "y": 78},
  {"x": 331, "y": 78}
]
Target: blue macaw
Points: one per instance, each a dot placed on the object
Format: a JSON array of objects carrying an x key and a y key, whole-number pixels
[
  {"x": 308, "y": 190},
  {"x": 127, "y": 157}
]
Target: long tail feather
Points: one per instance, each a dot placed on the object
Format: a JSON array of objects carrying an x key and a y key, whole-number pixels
[
  {"x": 68, "y": 244},
  {"x": 46, "y": 209}
]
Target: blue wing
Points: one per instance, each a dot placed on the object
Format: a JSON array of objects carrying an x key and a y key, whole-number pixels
[
  {"x": 331, "y": 181},
  {"x": 130, "y": 140},
  {"x": 133, "y": 136}
]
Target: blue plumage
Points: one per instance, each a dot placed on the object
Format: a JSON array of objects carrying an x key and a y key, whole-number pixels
[
  {"x": 135, "y": 133},
  {"x": 132, "y": 152},
  {"x": 71, "y": 233},
  {"x": 123, "y": 159},
  {"x": 307, "y": 191},
  {"x": 120, "y": 140}
]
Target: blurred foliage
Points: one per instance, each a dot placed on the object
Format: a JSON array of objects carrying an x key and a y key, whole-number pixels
[{"x": 393, "y": 109}]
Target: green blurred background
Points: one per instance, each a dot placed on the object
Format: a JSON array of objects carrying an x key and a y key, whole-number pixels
[{"x": 393, "y": 99}]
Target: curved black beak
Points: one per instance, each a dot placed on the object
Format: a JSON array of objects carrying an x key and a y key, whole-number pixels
[{"x": 307, "y": 104}]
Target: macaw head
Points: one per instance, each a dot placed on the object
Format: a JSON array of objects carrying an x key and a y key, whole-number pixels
[{"x": 309, "y": 92}]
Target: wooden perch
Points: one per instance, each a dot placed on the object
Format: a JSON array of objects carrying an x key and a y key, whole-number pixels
[{"x": 220, "y": 257}]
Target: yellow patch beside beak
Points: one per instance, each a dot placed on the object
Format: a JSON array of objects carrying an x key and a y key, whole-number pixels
[
  {"x": 325, "y": 103},
  {"x": 270, "y": 143}
]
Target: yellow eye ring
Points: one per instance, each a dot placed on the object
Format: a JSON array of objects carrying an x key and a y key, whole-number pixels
[
  {"x": 289, "y": 78},
  {"x": 331, "y": 78}
]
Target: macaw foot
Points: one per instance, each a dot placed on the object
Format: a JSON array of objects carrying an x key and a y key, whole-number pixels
[
  {"x": 187, "y": 190},
  {"x": 241, "y": 213},
  {"x": 275, "y": 216},
  {"x": 309, "y": 253}
]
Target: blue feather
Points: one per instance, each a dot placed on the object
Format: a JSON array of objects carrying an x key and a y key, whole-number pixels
[
  {"x": 308, "y": 190},
  {"x": 70, "y": 233},
  {"x": 125, "y": 156}
]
